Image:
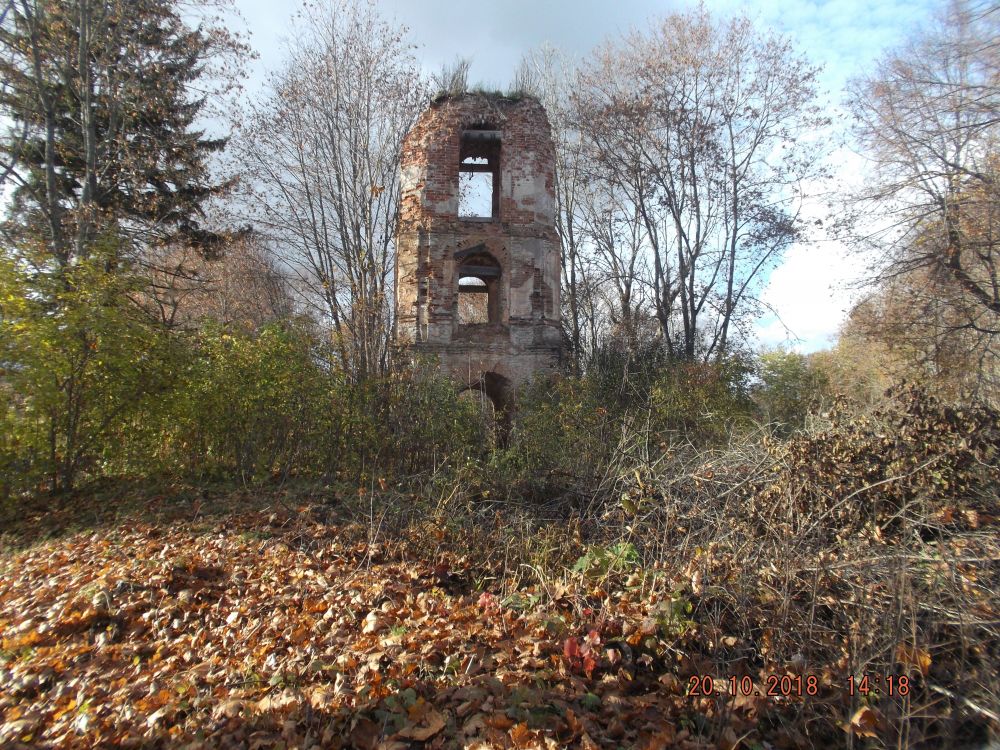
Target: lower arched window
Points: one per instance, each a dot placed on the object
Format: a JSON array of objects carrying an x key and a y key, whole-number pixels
[{"x": 478, "y": 285}]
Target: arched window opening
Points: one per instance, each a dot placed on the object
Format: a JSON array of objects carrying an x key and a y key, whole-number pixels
[
  {"x": 473, "y": 301},
  {"x": 478, "y": 285}
]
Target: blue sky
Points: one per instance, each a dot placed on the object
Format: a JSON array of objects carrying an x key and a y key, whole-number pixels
[{"x": 809, "y": 290}]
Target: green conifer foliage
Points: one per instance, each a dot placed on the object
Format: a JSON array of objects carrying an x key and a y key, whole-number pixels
[{"x": 105, "y": 97}]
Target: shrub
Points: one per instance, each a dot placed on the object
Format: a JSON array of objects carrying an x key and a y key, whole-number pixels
[
  {"x": 252, "y": 405},
  {"x": 79, "y": 361},
  {"x": 562, "y": 438},
  {"x": 789, "y": 385},
  {"x": 913, "y": 459},
  {"x": 622, "y": 380},
  {"x": 410, "y": 421},
  {"x": 702, "y": 402},
  {"x": 255, "y": 406}
]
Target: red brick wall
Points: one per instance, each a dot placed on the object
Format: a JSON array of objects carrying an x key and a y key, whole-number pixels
[{"x": 522, "y": 239}]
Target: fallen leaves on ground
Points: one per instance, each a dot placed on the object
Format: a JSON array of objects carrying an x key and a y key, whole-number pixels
[{"x": 248, "y": 631}]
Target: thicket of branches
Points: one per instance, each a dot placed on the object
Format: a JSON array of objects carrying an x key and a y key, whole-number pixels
[
  {"x": 320, "y": 157},
  {"x": 928, "y": 118}
]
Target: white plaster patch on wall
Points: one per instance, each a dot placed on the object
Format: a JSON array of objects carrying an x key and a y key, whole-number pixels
[
  {"x": 530, "y": 187},
  {"x": 520, "y": 300}
]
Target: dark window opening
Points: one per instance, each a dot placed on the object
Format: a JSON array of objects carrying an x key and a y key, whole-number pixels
[{"x": 479, "y": 175}]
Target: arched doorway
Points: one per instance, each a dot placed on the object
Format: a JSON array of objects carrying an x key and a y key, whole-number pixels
[{"x": 491, "y": 392}]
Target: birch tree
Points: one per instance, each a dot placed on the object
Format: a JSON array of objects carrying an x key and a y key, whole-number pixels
[{"x": 321, "y": 150}]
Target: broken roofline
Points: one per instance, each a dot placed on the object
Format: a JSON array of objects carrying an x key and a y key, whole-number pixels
[{"x": 490, "y": 95}]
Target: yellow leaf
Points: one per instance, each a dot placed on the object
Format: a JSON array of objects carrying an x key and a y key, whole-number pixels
[
  {"x": 913, "y": 657},
  {"x": 865, "y": 722}
]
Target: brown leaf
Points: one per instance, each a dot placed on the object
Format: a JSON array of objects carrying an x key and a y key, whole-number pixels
[
  {"x": 670, "y": 682},
  {"x": 321, "y": 697},
  {"x": 656, "y": 740},
  {"x": 500, "y": 721},
  {"x": 728, "y": 739},
  {"x": 571, "y": 648},
  {"x": 432, "y": 723},
  {"x": 287, "y": 697},
  {"x": 616, "y": 729},
  {"x": 573, "y": 723},
  {"x": 520, "y": 735},
  {"x": 865, "y": 722},
  {"x": 749, "y": 703},
  {"x": 649, "y": 626},
  {"x": 229, "y": 709},
  {"x": 474, "y": 725},
  {"x": 364, "y": 735}
]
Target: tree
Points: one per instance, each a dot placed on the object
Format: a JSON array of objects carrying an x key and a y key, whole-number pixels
[
  {"x": 790, "y": 383},
  {"x": 102, "y": 96},
  {"x": 857, "y": 367},
  {"x": 917, "y": 322},
  {"x": 928, "y": 118},
  {"x": 548, "y": 74},
  {"x": 77, "y": 363},
  {"x": 323, "y": 147},
  {"x": 702, "y": 126},
  {"x": 107, "y": 167},
  {"x": 245, "y": 288}
]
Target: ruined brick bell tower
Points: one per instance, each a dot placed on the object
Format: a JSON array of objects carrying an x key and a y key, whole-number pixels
[{"x": 477, "y": 254}]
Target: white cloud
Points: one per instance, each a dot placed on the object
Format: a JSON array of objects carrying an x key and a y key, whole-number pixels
[
  {"x": 810, "y": 291},
  {"x": 814, "y": 287}
]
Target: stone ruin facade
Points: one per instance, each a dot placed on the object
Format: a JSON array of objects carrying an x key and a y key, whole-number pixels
[{"x": 477, "y": 254}]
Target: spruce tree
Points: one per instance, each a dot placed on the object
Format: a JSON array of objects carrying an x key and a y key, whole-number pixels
[
  {"x": 105, "y": 165},
  {"x": 103, "y": 97}
]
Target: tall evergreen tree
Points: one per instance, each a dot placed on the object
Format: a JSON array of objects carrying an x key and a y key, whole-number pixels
[
  {"x": 103, "y": 97},
  {"x": 103, "y": 161}
]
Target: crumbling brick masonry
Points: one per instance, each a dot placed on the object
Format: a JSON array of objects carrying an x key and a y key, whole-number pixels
[{"x": 477, "y": 261}]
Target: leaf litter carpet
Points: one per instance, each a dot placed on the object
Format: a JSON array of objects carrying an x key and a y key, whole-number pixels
[{"x": 262, "y": 631}]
